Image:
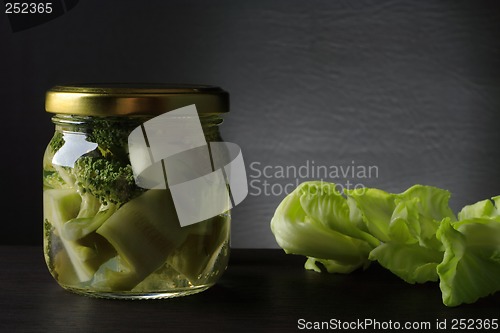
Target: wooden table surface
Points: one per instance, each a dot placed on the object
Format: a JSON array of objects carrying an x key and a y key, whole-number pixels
[{"x": 261, "y": 291}]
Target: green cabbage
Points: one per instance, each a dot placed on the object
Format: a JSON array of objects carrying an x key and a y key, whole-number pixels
[
  {"x": 471, "y": 265},
  {"x": 406, "y": 223},
  {"x": 414, "y": 234},
  {"x": 314, "y": 221}
]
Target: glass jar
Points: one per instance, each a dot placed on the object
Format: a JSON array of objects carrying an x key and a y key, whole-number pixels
[{"x": 106, "y": 235}]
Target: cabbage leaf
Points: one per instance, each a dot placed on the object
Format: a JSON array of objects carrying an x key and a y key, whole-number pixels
[
  {"x": 406, "y": 223},
  {"x": 314, "y": 221},
  {"x": 471, "y": 265},
  {"x": 414, "y": 234}
]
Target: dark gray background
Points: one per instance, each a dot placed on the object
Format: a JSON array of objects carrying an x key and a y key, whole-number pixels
[{"x": 411, "y": 87}]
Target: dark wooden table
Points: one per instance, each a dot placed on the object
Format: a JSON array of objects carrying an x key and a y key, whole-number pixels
[{"x": 262, "y": 291}]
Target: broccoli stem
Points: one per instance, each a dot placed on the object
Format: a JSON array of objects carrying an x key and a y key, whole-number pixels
[
  {"x": 61, "y": 205},
  {"x": 144, "y": 232}
]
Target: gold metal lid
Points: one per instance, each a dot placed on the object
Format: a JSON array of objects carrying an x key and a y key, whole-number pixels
[{"x": 134, "y": 99}]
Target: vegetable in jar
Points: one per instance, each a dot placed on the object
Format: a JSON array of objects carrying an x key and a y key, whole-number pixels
[{"x": 104, "y": 235}]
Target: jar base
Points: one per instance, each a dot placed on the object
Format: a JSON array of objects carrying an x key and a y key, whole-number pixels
[{"x": 141, "y": 295}]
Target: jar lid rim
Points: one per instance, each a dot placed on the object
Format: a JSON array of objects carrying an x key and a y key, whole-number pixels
[{"x": 123, "y": 99}]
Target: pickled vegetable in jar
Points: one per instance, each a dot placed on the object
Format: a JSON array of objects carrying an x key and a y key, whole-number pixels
[{"x": 105, "y": 235}]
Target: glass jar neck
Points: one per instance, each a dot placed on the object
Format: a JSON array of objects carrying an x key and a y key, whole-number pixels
[{"x": 76, "y": 123}]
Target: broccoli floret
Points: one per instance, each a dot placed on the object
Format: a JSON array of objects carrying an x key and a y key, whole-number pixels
[
  {"x": 111, "y": 136},
  {"x": 56, "y": 142},
  {"x": 105, "y": 172},
  {"x": 107, "y": 179}
]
